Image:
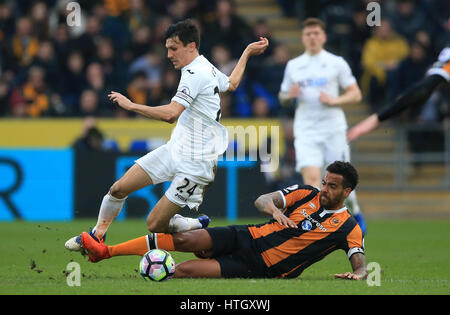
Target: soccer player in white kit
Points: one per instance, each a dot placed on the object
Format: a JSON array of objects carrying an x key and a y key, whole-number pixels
[
  {"x": 416, "y": 95},
  {"x": 189, "y": 159},
  {"x": 313, "y": 80}
]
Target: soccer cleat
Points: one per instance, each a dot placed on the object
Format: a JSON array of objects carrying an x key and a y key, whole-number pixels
[
  {"x": 74, "y": 244},
  {"x": 96, "y": 251},
  {"x": 204, "y": 220},
  {"x": 362, "y": 223}
]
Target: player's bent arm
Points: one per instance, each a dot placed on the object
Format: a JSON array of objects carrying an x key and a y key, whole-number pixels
[
  {"x": 270, "y": 204},
  {"x": 252, "y": 49},
  {"x": 168, "y": 113},
  {"x": 352, "y": 94}
]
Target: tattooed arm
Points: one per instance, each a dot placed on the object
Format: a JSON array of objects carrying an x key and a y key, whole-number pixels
[
  {"x": 358, "y": 261},
  {"x": 271, "y": 204}
]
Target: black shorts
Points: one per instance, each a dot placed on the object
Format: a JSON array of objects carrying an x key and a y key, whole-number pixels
[{"x": 233, "y": 248}]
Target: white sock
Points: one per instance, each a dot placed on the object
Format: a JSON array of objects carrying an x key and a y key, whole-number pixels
[
  {"x": 109, "y": 210},
  {"x": 352, "y": 203},
  {"x": 178, "y": 223}
]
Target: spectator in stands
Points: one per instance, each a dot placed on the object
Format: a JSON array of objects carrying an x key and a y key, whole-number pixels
[
  {"x": 381, "y": 55},
  {"x": 228, "y": 28},
  {"x": 272, "y": 71},
  {"x": 140, "y": 14},
  {"x": 25, "y": 45},
  {"x": 96, "y": 81},
  {"x": 260, "y": 108},
  {"x": 39, "y": 19},
  {"x": 86, "y": 42},
  {"x": 113, "y": 68},
  {"x": 407, "y": 19},
  {"x": 47, "y": 60},
  {"x": 90, "y": 141},
  {"x": 443, "y": 38},
  {"x": 137, "y": 89},
  {"x": 7, "y": 21},
  {"x": 221, "y": 58},
  {"x": 139, "y": 45},
  {"x": 32, "y": 98},
  {"x": 62, "y": 44},
  {"x": 4, "y": 97},
  {"x": 74, "y": 80},
  {"x": 151, "y": 64},
  {"x": 89, "y": 106},
  {"x": 178, "y": 10},
  {"x": 410, "y": 71},
  {"x": 359, "y": 33}
]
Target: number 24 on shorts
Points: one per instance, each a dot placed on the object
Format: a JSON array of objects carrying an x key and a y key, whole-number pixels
[{"x": 190, "y": 190}]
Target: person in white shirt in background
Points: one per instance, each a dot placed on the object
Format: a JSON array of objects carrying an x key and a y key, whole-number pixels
[
  {"x": 189, "y": 159},
  {"x": 313, "y": 80}
]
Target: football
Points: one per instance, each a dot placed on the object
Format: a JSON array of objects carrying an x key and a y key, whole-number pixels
[{"x": 157, "y": 264}]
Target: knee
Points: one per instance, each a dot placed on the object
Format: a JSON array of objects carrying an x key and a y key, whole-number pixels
[
  {"x": 156, "y": 226},
  {"x": 118, "y": 191}
]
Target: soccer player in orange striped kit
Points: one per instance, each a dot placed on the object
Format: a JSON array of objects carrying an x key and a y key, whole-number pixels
[{"x": 307, "y": 225}]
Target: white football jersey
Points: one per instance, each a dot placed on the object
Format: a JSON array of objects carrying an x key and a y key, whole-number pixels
[
  {"x": 437, "y": 68},
  {"x": 198, "y": 134},
  {"x": 322, "y": 72}
]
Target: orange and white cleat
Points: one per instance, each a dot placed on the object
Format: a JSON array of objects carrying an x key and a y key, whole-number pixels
[{"x": 96, "y": 251}]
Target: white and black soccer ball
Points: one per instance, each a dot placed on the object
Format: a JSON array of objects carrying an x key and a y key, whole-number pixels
[{"x": 157, "y": 264}]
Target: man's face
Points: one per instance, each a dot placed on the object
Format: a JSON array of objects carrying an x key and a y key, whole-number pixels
[
  {"x": 313, "y": 38},
  {"x": 178, "y": 53},
  {"x": 333, "y": 194}
]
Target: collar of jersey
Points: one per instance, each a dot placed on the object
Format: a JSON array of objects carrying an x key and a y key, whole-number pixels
[
  {"x": 315, "y": 56},
  {"x": 197, "y": 59},
  {"x": 325, "y": 211}
]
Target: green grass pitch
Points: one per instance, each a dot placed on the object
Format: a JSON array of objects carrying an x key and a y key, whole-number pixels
[{"x": 414, "y": 257}]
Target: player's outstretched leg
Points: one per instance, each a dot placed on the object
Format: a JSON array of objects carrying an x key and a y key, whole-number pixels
[{"x": 134, "y": 179}]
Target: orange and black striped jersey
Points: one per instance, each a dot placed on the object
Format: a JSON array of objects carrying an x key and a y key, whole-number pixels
[{"x": 288, "y": 251}]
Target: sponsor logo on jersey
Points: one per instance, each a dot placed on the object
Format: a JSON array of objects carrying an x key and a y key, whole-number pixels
[
  {"x": 306, "y": 225},
  {"x": 314, "y": 221}
]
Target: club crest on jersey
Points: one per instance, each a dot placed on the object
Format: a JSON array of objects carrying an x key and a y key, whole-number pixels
[{"x": 306, "y": 225}]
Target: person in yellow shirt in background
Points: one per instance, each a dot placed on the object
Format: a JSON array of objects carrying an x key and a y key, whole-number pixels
[{"x": 381, "y": 54}]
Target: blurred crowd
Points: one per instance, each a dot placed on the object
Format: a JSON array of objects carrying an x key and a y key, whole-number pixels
[{"x": 51, "y": 69}]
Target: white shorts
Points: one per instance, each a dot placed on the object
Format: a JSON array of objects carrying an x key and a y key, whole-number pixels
[
  {"x": 320, "y": 150},
  {"x": 189, "y": 178}
]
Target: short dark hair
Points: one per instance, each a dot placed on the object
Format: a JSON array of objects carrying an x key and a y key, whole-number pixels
[
  {"x": 313, "y": 22},
  {"x": 186, "y": 31},
  {"x": 349, "y": 174}
]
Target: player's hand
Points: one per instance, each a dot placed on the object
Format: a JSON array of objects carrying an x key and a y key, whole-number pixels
[
  {"x": 257, "y": 48},
  {"x": 283, "y": 220},
  {"x": 324, "y": 98},
  {"x": 347, "y": 276},
  {"x": 121, "y": 100},
  {"x": 295, "y": 90},
  {"x": 365, "y": 126}
]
